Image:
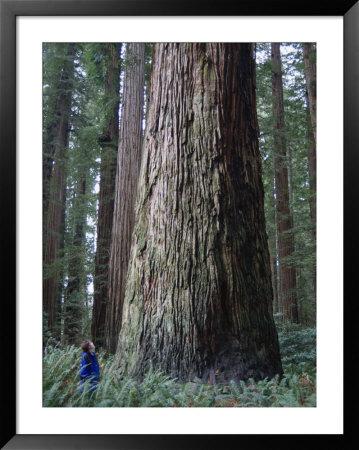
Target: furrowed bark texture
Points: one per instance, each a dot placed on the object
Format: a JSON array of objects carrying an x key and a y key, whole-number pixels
[
  {"x": 287, "y": 274},
  {"x": 199, "y": 296},
  {"x": 55, "y": 217},
  {"x": 128, "y": 167},
  {"x": 109, "y": 146}
]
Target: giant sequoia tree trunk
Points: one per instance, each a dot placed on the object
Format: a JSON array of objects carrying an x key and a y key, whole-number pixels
[
  {"x": 109, "y": 144},
  {"x": 287, "y": 274},
  {"x": 128, "y": 166},
  {"x": 53, "y": 237},
  {"x": 198, "y": 296}
]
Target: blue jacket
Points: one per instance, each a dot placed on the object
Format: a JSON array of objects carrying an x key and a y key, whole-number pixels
[{"x": 89, "y": 367}]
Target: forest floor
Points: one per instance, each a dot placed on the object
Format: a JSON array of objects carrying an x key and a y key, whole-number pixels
[{"x": 297, "y": 388}]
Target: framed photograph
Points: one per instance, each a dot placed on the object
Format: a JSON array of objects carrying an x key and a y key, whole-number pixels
[{"x": 25, "y": 27}]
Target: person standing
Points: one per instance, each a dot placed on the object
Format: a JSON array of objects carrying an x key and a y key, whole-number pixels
[{"x": 89, "y": 367}]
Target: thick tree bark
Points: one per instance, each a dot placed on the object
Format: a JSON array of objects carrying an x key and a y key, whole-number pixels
[
  {"x": 199, "y": 296},
  {"x": 287, "y": 273},
  {"x": 109, "y": 145},
  {"x": 128, "y": 166},
  {"x": 55, "y": 218}
]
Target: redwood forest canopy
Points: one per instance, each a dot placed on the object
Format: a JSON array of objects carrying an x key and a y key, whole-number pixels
[{"x": 179, "y": 205}]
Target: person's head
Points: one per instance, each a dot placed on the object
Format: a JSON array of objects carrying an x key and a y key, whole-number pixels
[{"x": 87, "y": 346}]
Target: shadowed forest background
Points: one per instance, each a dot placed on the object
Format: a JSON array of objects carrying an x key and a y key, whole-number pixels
[{"x": 179, "y": 223}]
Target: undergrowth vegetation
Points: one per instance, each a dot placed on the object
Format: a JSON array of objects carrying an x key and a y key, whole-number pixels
[{"x": 297, "y": 388}]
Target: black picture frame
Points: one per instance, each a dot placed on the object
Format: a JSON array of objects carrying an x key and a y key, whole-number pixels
[{"x": 9, "y": 10}]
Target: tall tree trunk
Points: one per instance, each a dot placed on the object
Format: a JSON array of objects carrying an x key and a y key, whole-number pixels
[
  {"x": 128, "y": 166},
  {"x": 312, "y": 170},
  {"x": 54, "y": 239},
  {"x": 271, "y": 217},
  {"x": 312, "y": 163},
  {"x": 310, "y": 69},
  {"x": 273, "y": 262},
  {"x": 54, "y": 135},
  {"x": 198, "y": 295},
  {"x": 310, "y": 76},
  {"x": 61, "y": 274},
  {"x": 74, "y": 293},
  {"x": 109, "y": 145},
  {"x": 54, "y": 230},
  {"x": 287, "y": 274}
]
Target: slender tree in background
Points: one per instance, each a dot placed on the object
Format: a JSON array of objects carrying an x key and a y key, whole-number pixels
[
  {"x": 310, "y": 76},
  {"x": 58, "y": 81},
  {"x": 287, "y": 273},
  {"x": 264, "y": 111},
  {"x": 312, "y": 163},
  {"x": 74, "y": 293},
  {"x": 128, "y": 166},
  {"x": 199, "y": 296},
  {"x": 273, "y": 251},
  {"x": 82, "y": 176},
  {"x": 54, "y": 187},
  {"x": 296, "y": 139},
  {"x": 109, "y": 144}
]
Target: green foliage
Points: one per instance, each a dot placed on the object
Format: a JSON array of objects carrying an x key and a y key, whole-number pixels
[
  {"x": 303, "y": 259},
  {"x": 297, "y": 388},
  {"x": 95, "y": 61},
  {"x": 90, "y": 111},
  {"x": 298, "y": 349}
]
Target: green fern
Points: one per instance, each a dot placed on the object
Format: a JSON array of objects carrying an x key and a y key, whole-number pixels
[{"x": 297, "y": 388}]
